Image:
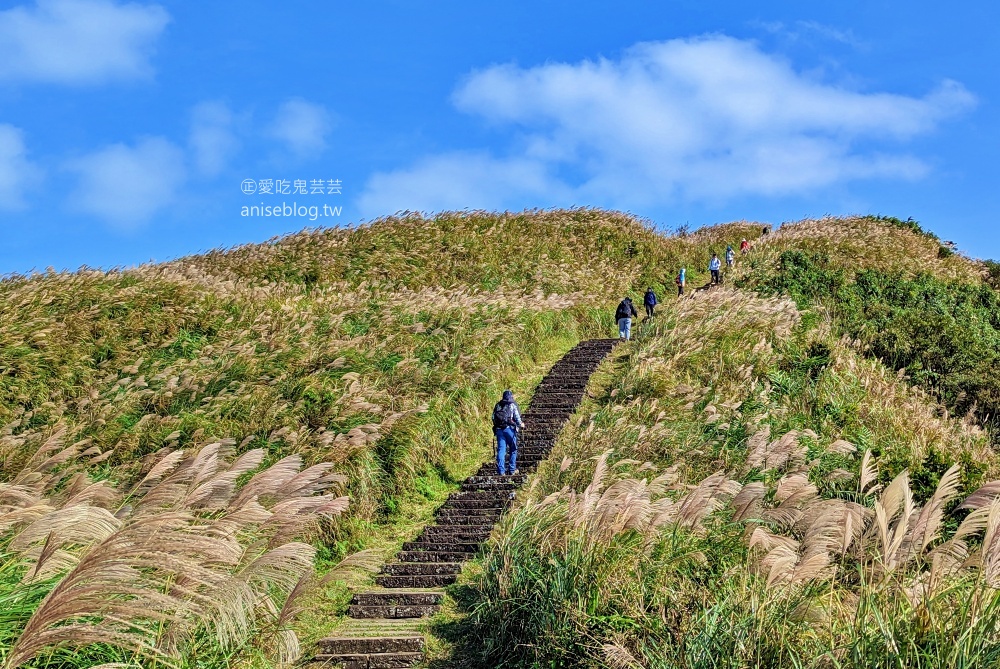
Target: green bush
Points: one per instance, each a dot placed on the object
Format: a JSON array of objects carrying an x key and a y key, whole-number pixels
[{"x": 945, "y": 335}]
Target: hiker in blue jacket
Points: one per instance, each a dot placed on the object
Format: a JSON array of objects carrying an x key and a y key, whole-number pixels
[
  {"x": 650, "y": 301},
  {"x": 715, "y": 267},
  {"x": 506, "y": 422},
  {"x": 680, "y": 281},
  {"x": 730, "y": 256}
]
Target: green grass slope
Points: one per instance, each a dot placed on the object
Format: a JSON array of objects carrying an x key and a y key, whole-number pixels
[
  {"x": 268, "y": 410},
  {"x": 374, "y": 352},
  {"x": 757, "y": 482}
]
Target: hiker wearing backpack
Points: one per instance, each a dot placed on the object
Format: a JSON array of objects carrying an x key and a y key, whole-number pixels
[
  {"x": 680, "y": 280},
  {"x": 715, "y": 267},
  {"x": 744, "y": 247},
  {"x": 730, "y": 256},
  {"x": 624, "y": 315},
  {"x": 650, "y": 301},
  {"x": 506, "y": 422}
]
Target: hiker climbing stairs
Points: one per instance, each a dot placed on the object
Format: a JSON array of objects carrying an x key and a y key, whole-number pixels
[{"x": 385, "y": 630}]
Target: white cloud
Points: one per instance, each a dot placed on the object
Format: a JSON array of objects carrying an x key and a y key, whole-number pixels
[
  {"x": 78, "y": 41},
  {"x": 704, "y": 119},
  {"x": 302, "y": 126},
  {"x": 126, "y": 185},
  {"x": 806, "y": 30},
  {"x": 459, "y": 181},
  {"x": 212, "y": 139},
  {"x": 17, "y": 173}
]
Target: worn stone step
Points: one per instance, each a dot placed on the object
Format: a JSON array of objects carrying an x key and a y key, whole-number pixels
[
  {"x": 366, "y": 661},
  {"x": 371, "y": 645},
  {"x": 470, "y": 487},
  {"x": 442, "y": 546},
  {"x": 381, "y": 627},
  {"x": 458, "y": 516},
  {"x": 455, "y": 533},
  {"x": 495, "y": 504},
  {"x": 452, "y": 539},
  {"x": 416, "y": 580},
  {"x": 547, "y": 413},
  {"x": 536, "y": 442},
  {"x": 524, "y": 465},
  {"x": 393, "y": 611},
  {"x": 517, "y": 480},
  {"x": 432, "y": 556},
  {"x": 413, "y": 569},
  {"x": 397, "y": 597},
  {"x": 447, "y": 528}
]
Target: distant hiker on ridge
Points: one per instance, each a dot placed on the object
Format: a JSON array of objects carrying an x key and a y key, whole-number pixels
[
  {"x": 624, "y": 315},
  {"x": 506, "y": 422},
  {"x": 680, "y": 280},
  {"x": 650, "y": 301},
  {"x": 744, "y": 247},
  {"x": 730, "y": 256},
  {"x": 715, "y": 266}
]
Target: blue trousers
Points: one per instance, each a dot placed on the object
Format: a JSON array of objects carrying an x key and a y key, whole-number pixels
[
  {"x": 506, "y": 437},
  {"x": 625, "y": 328}
]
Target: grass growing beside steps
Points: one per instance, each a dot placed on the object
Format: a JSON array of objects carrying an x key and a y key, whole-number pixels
[
  {"x": 377, "y": 349},
  {"x": 380, "y": 349},
  {"x": 747, "y": 490}
]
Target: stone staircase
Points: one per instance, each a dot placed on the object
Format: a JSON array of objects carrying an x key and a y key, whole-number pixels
[{"x": 385, "y": 630}]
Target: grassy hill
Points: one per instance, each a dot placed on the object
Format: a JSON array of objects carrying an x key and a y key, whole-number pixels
[{"x": 312, "y": 397}]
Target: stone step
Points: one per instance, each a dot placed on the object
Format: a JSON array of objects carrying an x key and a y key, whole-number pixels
[
  {"x": 451, "y": 528},
  {"x": 534, "y": 449},
  {"x": 472, "y": 487},
  {"x": 432, "y": 556},
  {"x": 546, "y": 413},
  {"x": 397, "y": 597},
  {"x": 458, "y": 516},
  {"x": 473, "y": 495},
  {"x": 455, "y": 533},
  {"x": 442, "y": 546},
  {"x": 385, "y": 627},
  {"x": 524, "y": 465},
  {"x": 393, "y": 611},
  {"x": 366, "y": 661},
  {"x": 517, "y": 480},
  {"x": 452, "y": 539},
  {"x": 415, "y": 569},
  {"x": 416, "y": 580},
  {"x": 495, "y": 505},
  {"x": 536, "y": 442},
  {"x": 371, "y": 645}
]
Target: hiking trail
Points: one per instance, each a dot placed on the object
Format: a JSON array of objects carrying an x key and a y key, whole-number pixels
[{"x": 386, "y": 627}]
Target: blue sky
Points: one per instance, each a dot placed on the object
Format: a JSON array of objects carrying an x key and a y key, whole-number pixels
[{"x": 127, "y": 129}]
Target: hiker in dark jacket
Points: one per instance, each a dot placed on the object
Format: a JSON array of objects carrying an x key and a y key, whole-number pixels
[
  {"x": 650, "y": 301},
  {"x": 624, "y": 315},
  {"x": 506, "y": 422}
]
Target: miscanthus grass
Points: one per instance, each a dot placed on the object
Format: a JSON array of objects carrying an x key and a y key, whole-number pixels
[
  {"x": 377, "y": 349},
  {"x": 747, "y": 490},
  {"x": 204, "y": 558}
]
